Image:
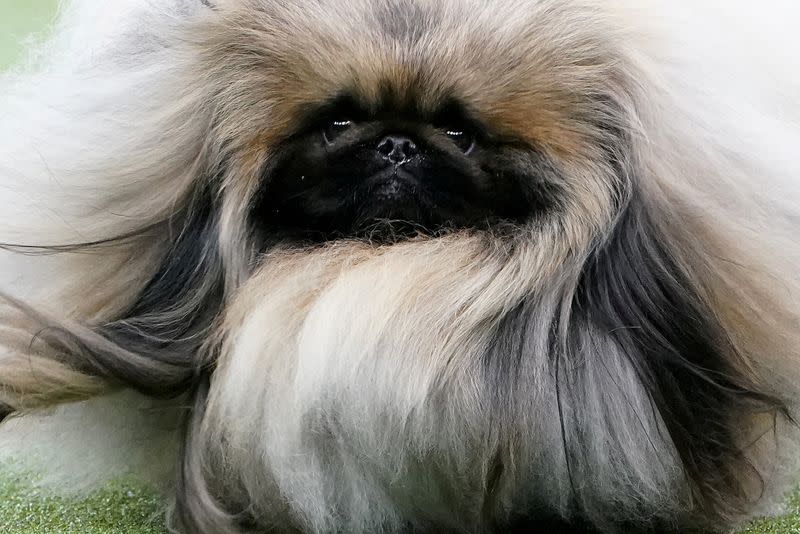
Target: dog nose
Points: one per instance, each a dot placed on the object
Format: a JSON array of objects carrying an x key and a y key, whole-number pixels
[{"x": 397, "y": 149}]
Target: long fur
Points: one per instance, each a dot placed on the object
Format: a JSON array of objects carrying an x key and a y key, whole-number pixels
[{"x": 629, "y": 362}]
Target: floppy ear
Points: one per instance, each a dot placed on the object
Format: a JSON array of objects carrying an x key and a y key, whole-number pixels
[
  {"x": 640, "y": 302},
  {"x": 152, "y": 347},
  {"x": 101, "y": 148}
]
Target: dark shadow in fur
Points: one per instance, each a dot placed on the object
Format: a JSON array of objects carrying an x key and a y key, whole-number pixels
[
  {"x": 5, "y": 411},
  {"x": 197, "y": 509}
]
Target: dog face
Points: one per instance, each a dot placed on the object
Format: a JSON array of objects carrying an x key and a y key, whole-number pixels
[
  {"x": 350, "y": 168},
  {"x": 413, "y": 122},
  {"x": 440, "y": 267}
]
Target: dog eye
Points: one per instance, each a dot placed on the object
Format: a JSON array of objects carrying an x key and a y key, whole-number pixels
[
  {"x": 335, "y": 128},
  {"x": 461, "y": 137}
]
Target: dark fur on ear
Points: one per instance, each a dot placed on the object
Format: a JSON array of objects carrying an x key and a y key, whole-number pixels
[
  {"x": 635, "y": 293},
  {"x": 642, "y": 377},
  {"x": 152, "y": 347},
  {"x": 171, "y": 319}
]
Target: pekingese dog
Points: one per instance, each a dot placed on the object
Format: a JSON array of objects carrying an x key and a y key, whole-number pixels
[{"x": 418, "y": 265}]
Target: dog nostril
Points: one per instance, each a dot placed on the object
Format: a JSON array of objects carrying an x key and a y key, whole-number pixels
[
  {"x": 386, "y": 146},
  {"x": 397, "y": 149},
  {"x": 410, "y": 148}
]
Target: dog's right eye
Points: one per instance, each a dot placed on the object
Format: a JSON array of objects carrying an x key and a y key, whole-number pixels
[
  {"x": 463, "y": 138},
  {"x": 335, "y": 128}
]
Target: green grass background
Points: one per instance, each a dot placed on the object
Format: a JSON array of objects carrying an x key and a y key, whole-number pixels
[
  {"x": 122, "y": 507},
  {"x": 21, "y": 22}
]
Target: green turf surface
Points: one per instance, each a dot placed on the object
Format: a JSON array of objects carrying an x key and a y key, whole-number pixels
[
  {"x": 120, "y": 508},
  {"x": 123, "y": 507},
  {"x": 787, "y": 524}
]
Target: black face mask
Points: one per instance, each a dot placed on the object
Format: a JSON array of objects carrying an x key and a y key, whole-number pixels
[{"x": 395, "y": 172}]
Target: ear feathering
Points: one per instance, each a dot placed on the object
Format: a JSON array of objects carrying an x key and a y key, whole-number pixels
[{"x": 628, "y": 362}]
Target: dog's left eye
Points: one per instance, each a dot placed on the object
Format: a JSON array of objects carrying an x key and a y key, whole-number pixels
[
  {"x": 335, "y": 128},
  {"x": 462, "y": 137}
]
